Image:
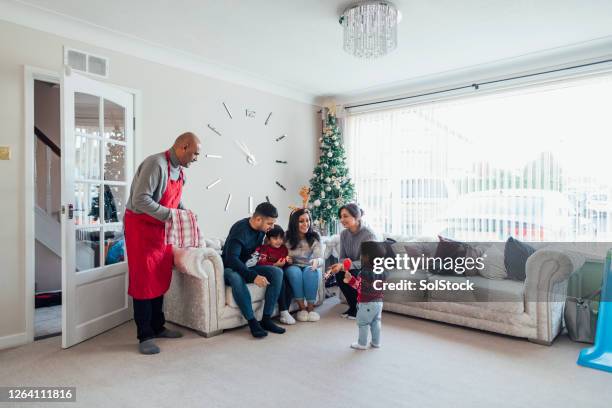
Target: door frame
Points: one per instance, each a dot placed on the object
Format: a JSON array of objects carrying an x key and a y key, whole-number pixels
[{"x": 32, "y": 74}]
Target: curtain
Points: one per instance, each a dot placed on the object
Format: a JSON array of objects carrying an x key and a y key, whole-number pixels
[{"x": 531, "y": 163}]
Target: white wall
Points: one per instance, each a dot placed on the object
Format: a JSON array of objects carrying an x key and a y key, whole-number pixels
[{"x": 173, "y": 101}]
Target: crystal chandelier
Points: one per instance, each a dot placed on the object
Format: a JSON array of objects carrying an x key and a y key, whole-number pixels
[{"x": 370, "y": 28}]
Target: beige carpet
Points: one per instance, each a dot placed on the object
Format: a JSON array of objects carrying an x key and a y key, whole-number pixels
[{"x": 421, "y": 364}]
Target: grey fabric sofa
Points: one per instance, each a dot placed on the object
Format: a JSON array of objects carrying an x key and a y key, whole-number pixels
[
  {"x": 198, "y": 297},
  {"x": 532, "y": 309}
]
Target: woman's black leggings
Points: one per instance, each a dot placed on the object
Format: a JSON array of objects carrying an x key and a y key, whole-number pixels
[{"x": 349, "y": 293}]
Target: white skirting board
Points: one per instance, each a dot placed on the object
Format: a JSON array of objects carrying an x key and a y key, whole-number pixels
[{"x": 13, "y": 340}]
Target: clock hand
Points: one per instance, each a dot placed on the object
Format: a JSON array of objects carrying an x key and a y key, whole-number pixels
[
  {"x": 242, "y": 147},
  {"x": 250, "y": 157}
]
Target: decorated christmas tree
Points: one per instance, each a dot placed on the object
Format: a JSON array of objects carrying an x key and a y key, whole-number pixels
[{"x": 330, "y": 186}]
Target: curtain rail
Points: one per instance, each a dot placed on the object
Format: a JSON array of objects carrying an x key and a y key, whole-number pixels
[{"x": 477, "y": 85}]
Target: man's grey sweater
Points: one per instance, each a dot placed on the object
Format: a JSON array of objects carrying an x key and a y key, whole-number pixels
[{"x": 149, "y": 185}]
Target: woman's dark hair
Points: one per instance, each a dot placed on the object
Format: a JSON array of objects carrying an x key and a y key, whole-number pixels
[
  {"x": 275, "y": 231},
  {"x": 293, "y": 230},
  {"x": 352, "y": 209}
]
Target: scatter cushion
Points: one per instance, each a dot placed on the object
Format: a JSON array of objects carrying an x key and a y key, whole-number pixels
[
  {"x": 494, "y": 267},
  {"x": 450, "y": 249},
  {"x": 515, "y": 258}
]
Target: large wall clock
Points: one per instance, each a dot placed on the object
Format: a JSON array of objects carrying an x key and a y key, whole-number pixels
[{"x": 249, "y": 150}]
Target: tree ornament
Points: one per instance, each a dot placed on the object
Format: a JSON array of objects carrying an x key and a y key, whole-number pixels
[
  {"x": 317, "y": 202},
  {"x": 329, "y": 154}
]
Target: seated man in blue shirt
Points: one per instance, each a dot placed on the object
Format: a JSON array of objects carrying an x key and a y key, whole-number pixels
[{"x": 244, "y": 236}]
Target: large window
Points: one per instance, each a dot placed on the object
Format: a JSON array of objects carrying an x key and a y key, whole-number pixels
[{"x": 534, "y": 163}]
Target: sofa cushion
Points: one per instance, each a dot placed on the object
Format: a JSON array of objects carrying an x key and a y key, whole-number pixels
[
  {"x": 498, "y": 295},
  {"x": 214, "y": 243},
  {"x": 451, "y": 249},
  {"x": 494, "y": 267},
  {"x": 405, "y": 296},
  {"x": 450, "y": 295},
  {"x": 257, "y": 294},
  {"x": 515, "y": 258}
]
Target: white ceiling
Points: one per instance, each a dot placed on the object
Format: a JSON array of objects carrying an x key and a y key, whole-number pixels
[{"x": 297, "y": 43}]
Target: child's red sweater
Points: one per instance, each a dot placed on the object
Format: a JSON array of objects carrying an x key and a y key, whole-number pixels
[
  {"x": 364, "y": 283},
  {"x": 268, "y": 255}
]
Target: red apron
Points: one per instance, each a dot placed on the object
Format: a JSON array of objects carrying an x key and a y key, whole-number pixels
[{"x": 150, "y": 260}]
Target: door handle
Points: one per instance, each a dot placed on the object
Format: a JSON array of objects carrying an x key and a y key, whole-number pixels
[{"x": 70, "y": 211}]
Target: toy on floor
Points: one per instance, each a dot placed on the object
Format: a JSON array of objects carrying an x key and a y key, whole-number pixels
[{"x": 600, "y": 355}]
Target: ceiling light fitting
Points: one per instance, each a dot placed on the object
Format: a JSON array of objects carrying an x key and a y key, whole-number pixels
[{"x": 370, "y": 28}]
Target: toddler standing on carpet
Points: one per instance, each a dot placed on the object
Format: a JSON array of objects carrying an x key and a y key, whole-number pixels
[{"x": 369, "y": 299}]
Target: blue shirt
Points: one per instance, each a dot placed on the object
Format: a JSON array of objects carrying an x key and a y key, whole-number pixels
[{"x": 241, "y": 242}]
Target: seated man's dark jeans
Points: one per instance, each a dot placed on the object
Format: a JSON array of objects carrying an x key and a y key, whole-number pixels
[{"x": 241, "y": 293}]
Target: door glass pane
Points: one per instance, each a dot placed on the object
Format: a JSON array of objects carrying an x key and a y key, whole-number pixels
[
  {"x": 87, "y": 114},
  {"x": 87, "y": 126},
  {"x": 114, "y": 121},
  {"x": 114, "y": 166},
  {"x": 115, "y": 198},
  {"x": 87, "y": 251},
  {"x": 86, "y": 203},
  {"x": 114, "y": 245},
  {"x": 86, "y": 158}
]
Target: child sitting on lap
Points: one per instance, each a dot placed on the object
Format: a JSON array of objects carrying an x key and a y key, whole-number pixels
[
  {"x": 369, "y": 299},
  {"x": 273, "y": 252}
]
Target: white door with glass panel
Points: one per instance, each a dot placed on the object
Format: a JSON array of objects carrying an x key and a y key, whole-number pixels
[{"x": 97, "y": 141}]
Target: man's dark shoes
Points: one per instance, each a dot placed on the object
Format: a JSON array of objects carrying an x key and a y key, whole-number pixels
[
  {"x": 256, "y": 330},
  {"x": 169, "y": 334},
  {"x": 148, "y": 347},
  {"x": 270, "y": 326}
]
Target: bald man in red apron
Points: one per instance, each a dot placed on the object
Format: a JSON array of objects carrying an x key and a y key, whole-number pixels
[{"x": 156, "y": 188}]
